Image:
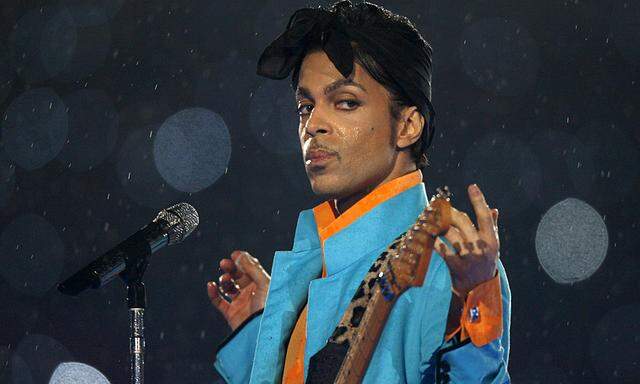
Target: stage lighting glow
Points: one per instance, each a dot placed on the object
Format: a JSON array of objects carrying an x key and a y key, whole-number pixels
[
  {"x": 499, "y": 56},
  {"x": 571, "y": 241},
  {"x": 34, "y": 128},
  {"x": 72, "y": 372},
  {"x": 32, "y": 255},
  {"x": 192, "y": 149},
  {"x": 93, "y": 129}
]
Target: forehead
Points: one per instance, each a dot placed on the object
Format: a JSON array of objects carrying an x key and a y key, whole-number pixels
[{"x": 317, "y": 71}]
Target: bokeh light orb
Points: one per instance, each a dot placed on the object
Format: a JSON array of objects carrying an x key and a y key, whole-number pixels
[
  {"x": 91, "y": 50},
  {"x": 273, "y": 118},
  {"x": 617, "y": 330},
  {"x": 36, "y": 358},
  {"x": 77, "y": 373},
  {"x": 138, "y": 174},
  {"x": 32, "y": 255},
  {"x": 192, "y": 149},
  {"x": 43, "y": 43},
  {"x": 499, "y": 56},
  {"x": 34, "y": 128},
  {"x": 93, "y": 129},
  {"x": 571, "y": 241}
]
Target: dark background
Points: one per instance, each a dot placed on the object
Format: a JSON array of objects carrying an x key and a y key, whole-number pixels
[{"x": 537, "y": 102}]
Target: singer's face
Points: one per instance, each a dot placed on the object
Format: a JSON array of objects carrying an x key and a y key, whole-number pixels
[{"x": 345, "y": 128}]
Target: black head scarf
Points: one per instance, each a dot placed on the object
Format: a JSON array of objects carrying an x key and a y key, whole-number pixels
[{"x": 395, "y": 46}]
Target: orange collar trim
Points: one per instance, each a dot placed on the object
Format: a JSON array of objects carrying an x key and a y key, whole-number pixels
[{"x": 327, "y": 222}]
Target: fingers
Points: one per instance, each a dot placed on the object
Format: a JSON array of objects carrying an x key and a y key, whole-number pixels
[
  {"x": 216, "y": 297},
  {"x": 494, "y": 215},
  {"x": 456, "y": 241},
  {"x": 470, "y": 236},
  {"x": 228, "y": 286},
  {"x": 482, "y": 211},
  {"x": 229, "y": 266},
  {"x": 250, "y": 266},
  {"x": 239, "y": 271}
]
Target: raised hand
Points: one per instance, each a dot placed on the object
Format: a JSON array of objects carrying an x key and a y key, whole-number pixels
[
  {"x": 477, "y": 249},
  {"x": 244, "y": 282}
]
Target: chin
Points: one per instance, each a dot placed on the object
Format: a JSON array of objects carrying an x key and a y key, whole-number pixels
[{"x": 325, "y": 185}]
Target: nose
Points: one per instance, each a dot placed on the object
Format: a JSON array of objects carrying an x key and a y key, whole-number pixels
[{"x": 316, "y": 123}]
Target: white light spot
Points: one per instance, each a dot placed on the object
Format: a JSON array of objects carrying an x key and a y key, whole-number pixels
[{"x": 571, "y": 241}]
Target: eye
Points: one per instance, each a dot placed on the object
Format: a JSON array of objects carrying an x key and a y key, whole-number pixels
[
  {"x": 348, "y": 104},
  {"x": 304, "y": 109}
]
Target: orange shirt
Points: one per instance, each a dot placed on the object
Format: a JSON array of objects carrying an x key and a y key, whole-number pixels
[{"x": 486, "y": 297}]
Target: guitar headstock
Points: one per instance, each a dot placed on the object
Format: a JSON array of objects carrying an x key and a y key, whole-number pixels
[{"x": 408, "y": 267}]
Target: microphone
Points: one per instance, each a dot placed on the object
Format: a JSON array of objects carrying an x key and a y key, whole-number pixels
[{"x": 171, "y": 226}]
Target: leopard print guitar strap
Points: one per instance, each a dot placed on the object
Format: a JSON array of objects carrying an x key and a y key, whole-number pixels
[{"x": 325, "y": 365}]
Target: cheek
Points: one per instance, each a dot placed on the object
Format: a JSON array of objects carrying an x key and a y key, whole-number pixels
[
  {"x": 368, "y": 138},
  {"x": 362, "y": 129}
]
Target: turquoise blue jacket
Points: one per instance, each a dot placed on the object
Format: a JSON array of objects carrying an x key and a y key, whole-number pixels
[{"x": 411, "y": 348}]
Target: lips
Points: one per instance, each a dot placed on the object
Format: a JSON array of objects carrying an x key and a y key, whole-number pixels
[{"x": 316, "y": 158}]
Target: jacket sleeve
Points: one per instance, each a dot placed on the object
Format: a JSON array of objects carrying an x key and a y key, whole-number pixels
[
  {"x": 234, "y": 358},
  {"x": 480, "y": 354}
]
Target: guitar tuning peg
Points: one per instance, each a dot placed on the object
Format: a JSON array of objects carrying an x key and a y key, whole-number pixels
[{"x": 444, "y": 192}]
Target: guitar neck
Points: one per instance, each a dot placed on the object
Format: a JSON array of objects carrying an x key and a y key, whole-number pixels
[{"x": 361, "y": 347}]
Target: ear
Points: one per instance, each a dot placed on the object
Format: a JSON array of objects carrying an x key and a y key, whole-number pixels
[{"x": 409, "y": 127}]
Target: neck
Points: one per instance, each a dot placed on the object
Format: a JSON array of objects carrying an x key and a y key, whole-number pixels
[{"x": 340, "y": 205}]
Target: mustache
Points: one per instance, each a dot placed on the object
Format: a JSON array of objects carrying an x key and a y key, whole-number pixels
[
  {"x": 315, "y": 146},
  {"x": 321, "y": 147}
]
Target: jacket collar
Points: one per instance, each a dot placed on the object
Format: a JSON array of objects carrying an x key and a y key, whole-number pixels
[{"x": 379, "y": 216}]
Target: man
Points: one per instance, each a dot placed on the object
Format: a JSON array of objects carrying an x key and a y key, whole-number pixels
[{"x": 363, "y": 87}]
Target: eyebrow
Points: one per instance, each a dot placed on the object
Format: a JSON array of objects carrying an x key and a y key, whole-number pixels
[{"x": 302, "y": 92}]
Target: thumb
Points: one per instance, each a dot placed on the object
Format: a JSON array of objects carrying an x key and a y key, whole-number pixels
[
  {"x": 494, "y": 215},
  {"x": 251, "y": 266}
]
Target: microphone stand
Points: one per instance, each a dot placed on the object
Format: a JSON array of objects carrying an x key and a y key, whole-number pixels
[
  {"x": 129, "y": 260},
  {"x": 136, "y": 302}
]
